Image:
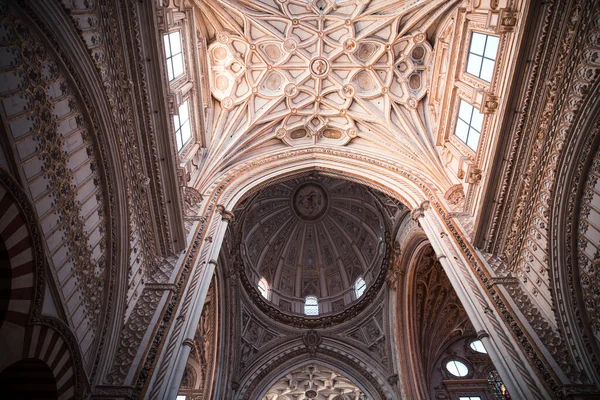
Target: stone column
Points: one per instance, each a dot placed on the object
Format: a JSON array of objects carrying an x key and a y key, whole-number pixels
[
  {"x": 509, "y": 359},
  {"x": 170, "y": 369}
]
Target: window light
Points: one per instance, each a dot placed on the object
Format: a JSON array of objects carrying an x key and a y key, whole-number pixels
[
  {"x": 181, "y": 397},
  {"x": 477, "y": 346},
  {"x": 263, "y": 288},
  {"x": 457, "y": 368},
  {"x": 468, "y": 124},
  {"x": 469, "y": 398},
  {"x": 183, "y": 131},
  {"x": 359, "y": 287},
  {"x": 174, "y": 54},
  {"x": 311, "y": 305},
  {"x": 482, "y": 55}
]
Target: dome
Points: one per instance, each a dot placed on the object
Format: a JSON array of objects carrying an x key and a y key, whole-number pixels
[{"x": 313, "y": 236}]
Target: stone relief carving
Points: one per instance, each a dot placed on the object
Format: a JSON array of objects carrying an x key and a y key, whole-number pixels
[
  {"x": 58, "y": 161},
  {"x": 321, "y": 73},
  {"x": 536, "y": 280},
  {"x": 313, "y": 382},
  {"x": 132, "y": 335},
  {"x": 522, "y": 236}
]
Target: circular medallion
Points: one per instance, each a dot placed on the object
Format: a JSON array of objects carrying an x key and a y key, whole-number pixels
[
  {"x": 310, "y": 394},
  {"x": 412, "y": 102},
  {"x": 290, "y": 90},
  {"x": 319, "y": 67},
  {"x": 350, "y": 45},
  {"x": 222, "y": 82},
  {"x": 220, "y": 53},
  {"x": 348, "y": 91},
  {"x": 280, "y": 133},
  {"x": 290, "y": 45},
  {"x": 223, "y": 38},
  {"x": 310, "y": 201},
  {"x": 227, "y": 103}
]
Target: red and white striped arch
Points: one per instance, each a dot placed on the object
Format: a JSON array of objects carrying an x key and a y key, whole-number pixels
[
  {"x": 45, "y": 344},
  {"x": 16, "y": 237},
  {"x": 43, "y": 340}
]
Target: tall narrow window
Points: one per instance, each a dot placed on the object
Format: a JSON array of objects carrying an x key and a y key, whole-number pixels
[
  {"x": 311, "y": 305},
  {"x": 263, "y": 288},
  {"x": 174, "y": 55},
  {"x": 468, "y": 124},
  {"x": 183, "y": 131},
  {"x": 359, "y": 287},
  {"x": 482, "y": 55}
]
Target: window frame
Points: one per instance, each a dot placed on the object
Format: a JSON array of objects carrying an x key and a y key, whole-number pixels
[
  {"x": 264, "y": 293},
  {"x": 469, "y": 126},
  {"x": 316, "y": 305},
  {"x": 474, "y": 349},
  {"x": 169, "y": 58},
  {"x": 483, "y": 56},
  {"x": 362, "y": 288},
  {"x": 177, "y": 126},
  {"x": 453, "y": 360}
]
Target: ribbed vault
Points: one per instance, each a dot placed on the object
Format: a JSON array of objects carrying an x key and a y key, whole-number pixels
[{"x": 314, "y": 382}]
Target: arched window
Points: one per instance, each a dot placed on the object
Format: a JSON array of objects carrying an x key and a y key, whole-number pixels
[
  {"x": 311, "y": 305},
  {"x": 477, "y": 346},
  {"x": 457, "y": 368},
  {"x": 263, "y": 288},
  {"x": 359, "y": 287}
]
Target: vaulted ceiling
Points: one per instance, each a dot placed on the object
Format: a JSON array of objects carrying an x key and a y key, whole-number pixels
[
  {"x": 312, "y": 235},
  {"x": 314, "y": 382},
  {"x": 296, "y": 73}
]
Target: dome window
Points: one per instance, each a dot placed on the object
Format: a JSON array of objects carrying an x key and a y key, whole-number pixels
[
  {"x": 311, "y": 306},
  {"x": 263, "y": 288},
  {"x": 359, "y": 287},
  {"x": 457, "y": 368},
  {"x": 477, "y": 346}
]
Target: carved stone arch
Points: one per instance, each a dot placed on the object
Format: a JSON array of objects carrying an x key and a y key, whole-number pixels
[
  {"x": 574, "y": 256},
  {"x": 414, "y": 384},
  {"x": 52, "y": 342},
  {"x": 424, "y": 295},
  {"x": 189, "y": 379},
  {"x": 20, "y": 237},
  {"x": 78, "y": 85},
  {"x": 261, "y": 380},
  {"x": 465, "y": 267},
  {"x": 31, "y": 334}
]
